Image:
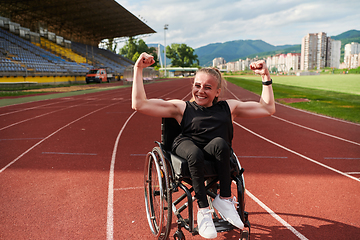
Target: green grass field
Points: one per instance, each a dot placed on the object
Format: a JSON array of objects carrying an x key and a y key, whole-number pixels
[
  {"x": 345, "y": 83},
  {"x": 335, "y": 95}
]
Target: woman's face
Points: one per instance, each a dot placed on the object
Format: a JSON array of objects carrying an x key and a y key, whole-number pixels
[{"x": 205, "y": 89}]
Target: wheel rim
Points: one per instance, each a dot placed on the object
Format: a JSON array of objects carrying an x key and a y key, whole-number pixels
[{"x": 153, "y": 195}]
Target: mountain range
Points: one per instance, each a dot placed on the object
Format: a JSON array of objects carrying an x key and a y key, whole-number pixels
[{"x": 241, "y": 49}]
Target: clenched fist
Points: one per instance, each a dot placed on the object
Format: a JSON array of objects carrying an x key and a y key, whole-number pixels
[
  {"x": 145, "y": 60},
  {"x": 259, "y": 67}
]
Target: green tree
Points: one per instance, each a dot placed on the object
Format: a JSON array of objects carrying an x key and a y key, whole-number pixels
[
  {"x": 111, "y": 45},
  {"x": 133, "y": 48},
  {"x": 182, "y": 55}
]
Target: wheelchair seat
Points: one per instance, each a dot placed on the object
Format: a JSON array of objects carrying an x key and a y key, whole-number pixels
[{"x": 181, "y": 168}]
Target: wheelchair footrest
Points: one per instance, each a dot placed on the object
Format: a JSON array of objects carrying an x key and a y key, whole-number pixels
[{"x": 222, "y": 225}]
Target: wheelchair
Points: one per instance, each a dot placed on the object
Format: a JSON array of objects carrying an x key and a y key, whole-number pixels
[{"x": 166, "y": 174}]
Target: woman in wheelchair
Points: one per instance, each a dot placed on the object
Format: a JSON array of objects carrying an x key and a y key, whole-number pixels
[{"x": 207, "y": 131}]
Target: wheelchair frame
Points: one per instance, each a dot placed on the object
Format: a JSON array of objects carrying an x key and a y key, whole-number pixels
[{"x": 161, "y": 179}]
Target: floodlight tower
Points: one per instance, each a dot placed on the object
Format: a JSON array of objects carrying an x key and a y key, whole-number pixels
[{"x": 165, "y": 28}]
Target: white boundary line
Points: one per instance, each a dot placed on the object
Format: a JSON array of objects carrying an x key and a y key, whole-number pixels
[
  {"x": 318, "y": 115},
  {"x": 37, "y": 116},
  {"x": 128, "y": 188},
  {"x": 311, "y": 129},
  {"x": 296, "y": 153},
  {"x": 26, "y": 109},
  {"x": 13, "y": 161},
  {"x": 301, "y": 110},
  {"x": 277, "y": 217},
  {"x": 110, "y": 205}
]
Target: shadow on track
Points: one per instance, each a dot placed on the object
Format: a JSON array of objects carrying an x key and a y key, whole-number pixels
[{"x": 321, "y": 229}]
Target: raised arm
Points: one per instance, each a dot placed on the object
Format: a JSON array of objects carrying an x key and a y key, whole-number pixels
[
  {"x": 266, "y": 105},
  {"x": 152, "y": 107}
]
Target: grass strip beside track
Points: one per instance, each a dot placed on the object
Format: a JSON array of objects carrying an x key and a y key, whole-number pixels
[
  {"x": 24, "y": 99},
  {"x": 345, "y": 83},
  {"x": 330, "y": 103}
]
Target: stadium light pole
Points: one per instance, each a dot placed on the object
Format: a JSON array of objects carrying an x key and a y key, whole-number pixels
[{"x": 165, "y": 28}]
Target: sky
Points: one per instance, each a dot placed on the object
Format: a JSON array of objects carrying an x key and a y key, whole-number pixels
[{"x": 198, "y": 23}]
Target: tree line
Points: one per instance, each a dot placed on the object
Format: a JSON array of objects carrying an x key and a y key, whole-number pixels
[{"x": 181, "y": 55}]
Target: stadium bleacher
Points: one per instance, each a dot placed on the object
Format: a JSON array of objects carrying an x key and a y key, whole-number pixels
[
  {"x": 48, "y": 42},
  {"x": 19, "y": 56},
  {"x": 114, "y": 62}
]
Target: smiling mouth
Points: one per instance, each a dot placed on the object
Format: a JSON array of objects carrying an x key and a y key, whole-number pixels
[{"x": 199, "y": 97}]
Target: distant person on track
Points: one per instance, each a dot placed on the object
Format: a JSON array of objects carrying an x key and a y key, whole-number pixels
[{"x": 207, "y": 131}]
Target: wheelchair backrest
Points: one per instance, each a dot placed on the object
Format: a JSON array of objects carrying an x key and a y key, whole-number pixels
[{"x": 170, "y": 129}]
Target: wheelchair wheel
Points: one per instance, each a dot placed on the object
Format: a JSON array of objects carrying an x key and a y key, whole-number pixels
[{"x": 158, "y": 198}]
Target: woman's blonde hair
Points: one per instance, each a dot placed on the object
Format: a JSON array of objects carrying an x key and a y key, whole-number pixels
[{"x": 217, "y": 74}]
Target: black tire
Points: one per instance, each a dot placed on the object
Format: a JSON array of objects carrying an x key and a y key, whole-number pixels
[{"x": 158, "y": 198}]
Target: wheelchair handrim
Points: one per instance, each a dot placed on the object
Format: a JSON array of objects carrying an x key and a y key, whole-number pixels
[{"x": 154, "y": 226}]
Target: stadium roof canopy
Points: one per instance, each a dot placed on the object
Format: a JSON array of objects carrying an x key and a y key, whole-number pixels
[{"x": 85, "y": 21}]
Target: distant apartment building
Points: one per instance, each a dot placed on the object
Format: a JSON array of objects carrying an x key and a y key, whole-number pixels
[
  {"x": 335, "y": 53},
  {"x": 355, "y": 60},
  {"x": 351, "y": 55},
  {"x": 284, "y": 62},
  {"x": 239, "y": 65},
  {"x": 218, "y": 61},
  {"x": 319, "y": 51},
  {"x": 308, "y": 52}
]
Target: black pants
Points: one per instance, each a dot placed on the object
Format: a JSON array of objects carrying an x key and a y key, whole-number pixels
[{"x": 216, "y": 150}]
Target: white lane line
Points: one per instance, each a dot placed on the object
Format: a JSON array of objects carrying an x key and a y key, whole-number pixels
[
  {"x": 353, "y": 173},
  {"x": 20, "y": 156},
  {"x": 67, "y": 153},
  {"x": 277, "y": 217},
  {"x": 342, "y": 158},
  {"x": 318, "y": 115},
  {"x": 260, "y": 157},
  {"x": 11, "y": 125},
  {"x": 128, "y": 188},
  {"x": 61, "y": 101},
  {"x": 110, "y": 205},
  {"x": 296, "y": 153},
  {"x": 19, "y": 139},
  {"x": 311, "y": 129},
  {"x": 25, "y": 109}
]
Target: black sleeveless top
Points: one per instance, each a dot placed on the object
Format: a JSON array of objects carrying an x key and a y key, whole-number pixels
[{"x": 202, "y": 124}]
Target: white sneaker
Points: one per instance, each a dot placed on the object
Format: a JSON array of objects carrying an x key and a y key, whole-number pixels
[
  {"x": 227, "y": 208},
  {"x": 205, "y": 223}
]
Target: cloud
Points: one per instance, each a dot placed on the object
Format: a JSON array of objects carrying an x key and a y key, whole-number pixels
[{"x": 201, "y": 22}]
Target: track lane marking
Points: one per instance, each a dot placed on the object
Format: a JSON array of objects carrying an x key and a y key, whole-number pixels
[
  {"x": 19, "y": 139},
  {"x": 296, "y": 153},
  {"x": 128, "y": 188},
  {"x": 38, "y": 143},
  {"x": 277, "y": 217},
  {"x": 110, "y": 207},
  {"x": 26, "y": 109},
  {"x": 61, "y": 101},
  {"x": 319, "y": 115},
  {"x": 260, "y": 157},
  {"x": 38, "y": 116},
  {"x": 310, "y": 129},
  {"x": 67, "y": 153},
  {"x": 110, "y": 204}
]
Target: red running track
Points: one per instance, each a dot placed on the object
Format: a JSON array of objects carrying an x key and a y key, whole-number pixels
[{"x": 72, "y": 168}]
